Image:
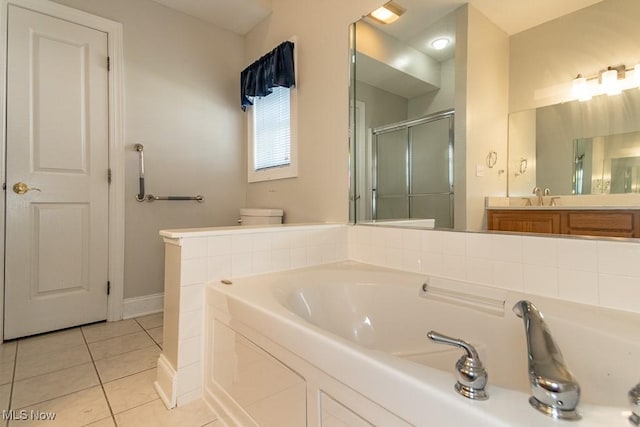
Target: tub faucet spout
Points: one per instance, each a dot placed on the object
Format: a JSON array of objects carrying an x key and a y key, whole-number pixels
[{"x": 554, "y": 388}]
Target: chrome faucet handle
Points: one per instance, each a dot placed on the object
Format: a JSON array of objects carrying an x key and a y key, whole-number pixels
[
  {"x": 471, "y": 375},
  {"x": 634, "y": 398},
  {"x": 547, "y": 191}
]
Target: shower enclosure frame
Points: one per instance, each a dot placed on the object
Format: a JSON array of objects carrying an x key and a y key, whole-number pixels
[{"x": 408, "y": 124}]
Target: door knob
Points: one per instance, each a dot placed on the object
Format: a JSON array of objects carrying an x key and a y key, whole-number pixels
[{"x": 21, "y": 188}]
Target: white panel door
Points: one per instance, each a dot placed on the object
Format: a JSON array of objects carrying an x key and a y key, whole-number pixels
[{"x": 57, "y": 146}]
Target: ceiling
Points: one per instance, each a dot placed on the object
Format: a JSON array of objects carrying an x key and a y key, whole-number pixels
[
  {"x": 513, "y": 16},
  {"x": 238, "y": 16}
]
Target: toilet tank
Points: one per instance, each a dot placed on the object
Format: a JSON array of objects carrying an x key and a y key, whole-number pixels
[{"x": 250, "y": 216}]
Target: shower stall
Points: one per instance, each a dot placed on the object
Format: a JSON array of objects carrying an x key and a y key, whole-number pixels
[{"x": 412, "y": 165}]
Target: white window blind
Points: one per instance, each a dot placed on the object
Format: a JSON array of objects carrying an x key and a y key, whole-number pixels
[{"x": 272, "y": 130}]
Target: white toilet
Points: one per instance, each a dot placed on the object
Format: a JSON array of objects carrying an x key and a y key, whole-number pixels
[{"x": 249, "y": 216}]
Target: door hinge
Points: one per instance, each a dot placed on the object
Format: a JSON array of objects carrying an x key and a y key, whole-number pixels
[
  {"x": 109, "y": 175},
  {"x": 108, "y": 287},
  {"x": 108, "y": 63}
]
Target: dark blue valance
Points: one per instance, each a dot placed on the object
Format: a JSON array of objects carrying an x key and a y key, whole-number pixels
[{"x": 276, "y": 68}]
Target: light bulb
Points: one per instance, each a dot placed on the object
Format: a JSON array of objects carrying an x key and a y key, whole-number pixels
[
  {"x": 610, "y": 84},
  {"x": 580, "y": 89},
  {"x": 440, "y": 43}
]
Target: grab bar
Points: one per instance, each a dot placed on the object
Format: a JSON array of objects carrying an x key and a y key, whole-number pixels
[
  {"x": 141, "y": 197},
  {"x": 151, "y": 198}
]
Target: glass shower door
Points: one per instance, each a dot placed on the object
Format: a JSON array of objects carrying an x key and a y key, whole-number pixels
[
  {"x": 431, "y": 171},
  {"x": 413, "y": 170},
  {"x": 390, "y": 196}
]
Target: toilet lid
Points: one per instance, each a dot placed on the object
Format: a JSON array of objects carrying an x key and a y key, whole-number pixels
[{"x": 260, "y": 212}]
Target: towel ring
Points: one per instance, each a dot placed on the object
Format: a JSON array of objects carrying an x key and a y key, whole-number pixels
[{"x": 492, "y": 159}]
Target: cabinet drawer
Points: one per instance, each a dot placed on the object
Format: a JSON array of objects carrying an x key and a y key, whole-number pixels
[
  {"x": 526, "y": 222},
  {"x": 622, "y": 221}
]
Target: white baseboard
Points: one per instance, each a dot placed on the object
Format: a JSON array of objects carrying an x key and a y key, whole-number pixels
[
  {"x": 140, "y": 306},
  {"x": 166, "y": 383}
]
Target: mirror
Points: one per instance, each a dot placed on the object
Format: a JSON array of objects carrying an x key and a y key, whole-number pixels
[
  {"x": 543, "y": 59},
  {"x": 402, "y": 118},
  {"x": 577, "y": 147}
]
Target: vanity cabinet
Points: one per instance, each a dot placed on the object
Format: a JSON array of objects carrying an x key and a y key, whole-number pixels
[{"x": 586, "y": 222}]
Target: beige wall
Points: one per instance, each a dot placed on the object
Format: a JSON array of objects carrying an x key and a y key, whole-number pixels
[
  {"x": 522, "y": 145},
  {"x": 439, "y": 100},
  {"x": 181, "y": 103},
  {"x": 546, "y": 58},
  {"x": 485, "y": 123},
  {"x": 320, "y": 192}
]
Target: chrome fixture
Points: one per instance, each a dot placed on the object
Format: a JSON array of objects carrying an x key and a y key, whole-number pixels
[
  {"x": 140, "y": 149},
  {"x": 141, "y": 197},
  {"x": 538, "y": 192},
  {"x": 527, "y": 201},
  {"x": 553, "y": 201},
  {"x": 547, "y": 191},
  {"x": 471, "y": 374},
  {"x": 556, "y": 392},
  {"x": 611, "y": 81},
  {"x": 634, "y": 398}
]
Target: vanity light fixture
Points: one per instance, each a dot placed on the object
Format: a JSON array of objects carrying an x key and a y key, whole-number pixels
[
  {"x": 440, "y": 43},
  {"x": 580, "y": 89},
  {"x": 388, "y": 13},
  {"x": 611, "y": 81}
]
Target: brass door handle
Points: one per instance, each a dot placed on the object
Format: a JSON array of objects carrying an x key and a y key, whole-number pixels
[{"x": 22, "y": 188}]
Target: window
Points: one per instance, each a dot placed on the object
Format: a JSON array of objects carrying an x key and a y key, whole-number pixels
[
  {"x": 272, "y": 136},
  {"x": 267, "y": 90}
]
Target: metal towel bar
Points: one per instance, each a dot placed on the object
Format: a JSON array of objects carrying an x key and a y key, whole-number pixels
[
  {"x": 141, "y": 197},
  {"x": 151, "y": 198}
]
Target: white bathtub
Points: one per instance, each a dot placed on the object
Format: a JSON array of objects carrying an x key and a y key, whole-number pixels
[{"x": 352, "y": 340}]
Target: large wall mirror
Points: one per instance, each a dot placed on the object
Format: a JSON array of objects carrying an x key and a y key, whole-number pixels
[
  {"x": 402, "y": 117},
  {"x": 578, "y": 147},
  {"x": 573, "y": 148}
]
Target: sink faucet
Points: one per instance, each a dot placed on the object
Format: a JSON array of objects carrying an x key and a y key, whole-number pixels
[
  {"x": 538, "y": 192},
  {"x": 554, "y": 388},
  {"x": 634, "y": 398}
]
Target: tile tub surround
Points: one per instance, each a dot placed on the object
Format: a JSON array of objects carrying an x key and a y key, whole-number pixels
[
  {"x": 602, "y": 273},
  {"x": 195, "y": 257}
]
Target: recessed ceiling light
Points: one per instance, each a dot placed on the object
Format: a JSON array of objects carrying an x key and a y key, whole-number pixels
[
  {"x": 440, "y": 43},
  {"x": 388, "y": 13}
]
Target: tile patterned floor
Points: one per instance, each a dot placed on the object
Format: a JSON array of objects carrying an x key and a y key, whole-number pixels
[{"x": 99, "y": 375}]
